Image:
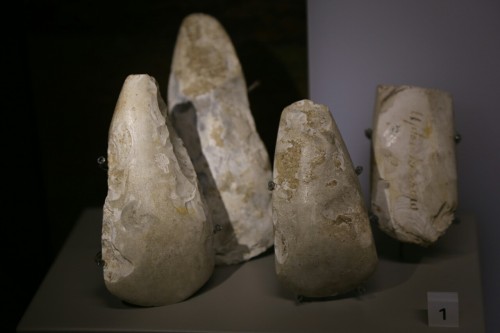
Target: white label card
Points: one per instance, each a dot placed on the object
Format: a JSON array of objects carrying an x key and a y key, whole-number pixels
[{"x": 442, "y": 309}]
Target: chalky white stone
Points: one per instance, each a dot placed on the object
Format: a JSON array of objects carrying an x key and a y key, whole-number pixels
[
  {"x": 157, "y": 238},
  {"x": 208, "y": 105},
  {"x": 414, "y": 178},
  {"x": 323, "y": 239}
]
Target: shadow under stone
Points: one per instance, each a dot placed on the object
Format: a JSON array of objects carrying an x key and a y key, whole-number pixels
[{"x": 185, "y": 122}]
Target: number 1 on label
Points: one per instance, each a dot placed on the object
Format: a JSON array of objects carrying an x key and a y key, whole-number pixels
[{"x": 443, "y": 310}]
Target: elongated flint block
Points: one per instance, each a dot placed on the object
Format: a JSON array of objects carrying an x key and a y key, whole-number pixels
[
  {"x": 414, "y": 178},
  {"x": 208, "y": 104},
  {"x": 157, "y": 239},
  {"x": 323, "y": 239}
]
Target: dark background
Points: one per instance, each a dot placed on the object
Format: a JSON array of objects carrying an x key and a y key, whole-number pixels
[{"x": 66, "y": 62}]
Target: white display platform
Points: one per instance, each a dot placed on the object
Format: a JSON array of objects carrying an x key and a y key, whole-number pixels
[{"x": 248, "y": 297}]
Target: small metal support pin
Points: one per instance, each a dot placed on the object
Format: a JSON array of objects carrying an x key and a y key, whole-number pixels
[
  {"x": 373, "y": 218},
  {"x": 358, "y": 170},
  {"x": 458, "y": 138},
  {"x": 368, "y": 133},
  {"x": 254, "y": 85},
  {"x": 271, "y": 185},
  {"x": 217, "y": 228},
  {"x": 98, "y": 259},
  {"x": 103, "y": 164},
  {"x": 361, "y": 290}
]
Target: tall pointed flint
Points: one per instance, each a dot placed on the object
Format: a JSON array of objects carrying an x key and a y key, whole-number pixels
[
  {"x": 414, "y": 178},
  {"x": 323, "y": 240},
  {"x": 208, "y": 104},
  {"x": 157, "y": 239}
]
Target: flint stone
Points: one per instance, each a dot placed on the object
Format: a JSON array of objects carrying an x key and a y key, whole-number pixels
[
  {"x": 209, "y": 107},
  {"x": 414, "y": 178},
  {"x": 157, "y": 239},
  {"x": 323, "y": 240}
]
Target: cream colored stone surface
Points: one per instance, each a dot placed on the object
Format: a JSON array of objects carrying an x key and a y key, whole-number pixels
[
  {"x": 414, "y": 178},
  {"x": 323, "y": 239},
  {"x": 157, "y": 239},
  {"x": 208, "y": 104}
]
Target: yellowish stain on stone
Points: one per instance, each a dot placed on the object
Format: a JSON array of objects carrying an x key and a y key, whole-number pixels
[
  {"x": 316, "y": 161},
  {"x": 427, "y": 131},
  {"x": 226, "y": 182},
  {"x": 182, "y": 210},
  {"x": 287, "y": 166},
  {"x": 337, "y": 162},
  {"x": 332, "y": 183},
  {"x": 248, "y": 194},
  {"x": 216, "y": 135},
  {"x": 343, "y": 219}
]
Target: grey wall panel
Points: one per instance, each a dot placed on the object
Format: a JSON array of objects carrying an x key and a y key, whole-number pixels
[{"x": 452, "y": 45}]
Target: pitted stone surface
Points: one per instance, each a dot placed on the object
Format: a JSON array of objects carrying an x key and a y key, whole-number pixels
[
  {"x": 323, "y": 239},
  {"x": 208, "y": 104},
  {"x": 157, "y": 238},
  {"x": 414, "y": 178}
]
